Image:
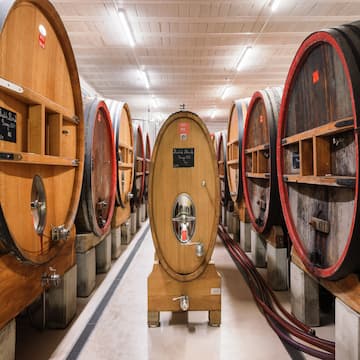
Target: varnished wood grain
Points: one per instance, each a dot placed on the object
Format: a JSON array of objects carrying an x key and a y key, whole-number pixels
[
  {"x": 204, "y": 292},
  {"x": 201, "y": 182},
  {"x": 32, "y": 67}
]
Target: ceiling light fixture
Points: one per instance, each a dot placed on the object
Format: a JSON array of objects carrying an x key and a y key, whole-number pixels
[
  {"x": 213, "y": 113},
  {"x": 126, "y": 26},
  {"x": 274, "y": 5},
  {"x": 238, "y": 66},
  {"x": 225, "y": 92},
  {"x": 145, "y": 77}
]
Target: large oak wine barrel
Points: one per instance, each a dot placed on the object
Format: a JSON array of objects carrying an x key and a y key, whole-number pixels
[
  {"x": 222, "y": 166},
  {"x": 98, "y": 191},
  {"x": 124, "y": 148},
  {"x": 139, "y": 168},
  {"x": 41, "y": 131},
  {"x": 147, "y": 166},
  {"x": 318, "y": 152},
  {"x": 259, "y": 173},
  {"x": 184, "y": 196},
  {"x": 234, "y": 148}
]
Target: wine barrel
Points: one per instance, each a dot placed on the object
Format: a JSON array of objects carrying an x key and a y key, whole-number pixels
[
  {"x": 147, "y": 166},
  {"x": 184, "y": 196},
  {"x": 259, "y": 173},
  {"x": 318, "y": 152},
  {"x": 41, "y": 131},
  {"x": 139, "y": 169},
  {"x": 234, "y": 147},
  {"x": 98, "y": 191},
  {"x": 221, "y": 158},
  {"x": 124, "y": 148}
]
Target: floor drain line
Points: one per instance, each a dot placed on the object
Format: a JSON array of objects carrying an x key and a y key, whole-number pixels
[{"x": 81, "y": 341}]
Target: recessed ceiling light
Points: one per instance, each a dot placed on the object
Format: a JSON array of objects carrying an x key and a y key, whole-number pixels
[{"x": 126, "y": 26}]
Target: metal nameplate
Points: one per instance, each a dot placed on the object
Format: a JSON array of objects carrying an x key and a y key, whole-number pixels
[
  {"x": 183, "y": 157},
  {"x": 7, "y": 125}
]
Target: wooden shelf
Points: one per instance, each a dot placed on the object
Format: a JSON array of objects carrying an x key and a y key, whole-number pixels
[
  {"x": 139, "y": 158},
  {"x": 31, "y": 97},
  {"x": 324, "y": 130},
  {"x": 258, "y": 175},
  {"x": 257, "y": 148},
  {"x": 125, "y": 146},
  {"x": 138, "y": 174},
  {"x": 337, "y": 181},
  {"x": 233, "y": 162},
  {"x": 220, "y": 162},
  {"x": 31, "y": 159},
  {"x": 236, "y": 141},
  {"x": 125, "y": 165}
]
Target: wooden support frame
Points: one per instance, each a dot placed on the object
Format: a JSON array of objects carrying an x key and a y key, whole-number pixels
[{"x": 204, "y": 294}]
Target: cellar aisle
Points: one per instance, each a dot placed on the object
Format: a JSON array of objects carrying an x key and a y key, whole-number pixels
[{"x": 121, "y": 331}]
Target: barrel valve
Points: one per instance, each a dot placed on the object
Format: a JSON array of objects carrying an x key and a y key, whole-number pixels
[
  {"x": 184, "y": 302},
  {"x": 199, "y": 247},
  {"x": 59, "y": 233},
  {"x": 50, "y": 279}
]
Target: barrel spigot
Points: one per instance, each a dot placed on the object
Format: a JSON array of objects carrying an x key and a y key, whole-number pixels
[
  {"x": 184, "y": 302},
  {"x": 50, "y": 279}
]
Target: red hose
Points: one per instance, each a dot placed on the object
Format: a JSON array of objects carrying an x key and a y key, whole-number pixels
[
  {"x": 296, "y": 332},
  {"x": 264, "y": 297}
]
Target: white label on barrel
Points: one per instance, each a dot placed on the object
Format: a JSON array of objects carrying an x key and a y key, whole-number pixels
[
  {"x": 42, "y": 36},
  {"x": 215, "y": 291}
]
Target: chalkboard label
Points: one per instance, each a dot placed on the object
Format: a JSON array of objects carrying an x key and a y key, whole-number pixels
[
  {"x": 183, "y": 157},
  {"x": 7, "y": 125}
]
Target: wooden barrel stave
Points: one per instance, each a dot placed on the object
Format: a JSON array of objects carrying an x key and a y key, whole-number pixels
[
  {"x": 325, "y": 229},
  {"x": 167, "y": 182},
  {"x": 222, "y": 165},
  {"x": 139, "y": 169},
  {"x": 234, "y": 148},
  {"x": 99, "y": 183},
  {"x": 49, "y": 144},
  {"x": 259, "y": 161},
  {"x": 147, "y": 166}
]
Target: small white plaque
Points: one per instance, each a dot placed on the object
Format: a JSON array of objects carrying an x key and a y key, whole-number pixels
[{"x": 215, "y": 291}]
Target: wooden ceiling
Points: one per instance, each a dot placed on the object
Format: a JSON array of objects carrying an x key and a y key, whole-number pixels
[{"x": 190, "y": 48}]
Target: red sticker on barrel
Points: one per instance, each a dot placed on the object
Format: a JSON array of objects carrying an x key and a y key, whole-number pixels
[
  {"x": 42, "y": 41},
  {"x": 184, "y": 128},
  {"x": 315, "y": 76}
]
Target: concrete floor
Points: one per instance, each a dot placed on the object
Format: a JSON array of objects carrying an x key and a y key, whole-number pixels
[{"x": 121, "y": 331}]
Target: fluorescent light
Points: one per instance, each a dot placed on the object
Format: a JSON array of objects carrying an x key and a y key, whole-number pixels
[
  {"x": 126, "y": 26},
  {"x": 242, "y": 57},
  {"x": 145, "y": 77},
  {"x": 225, "y": 92},
  {"x": 154, "y": 101},
  {"x": 275, "y": 4},
  {"x": 213, "y": 113}
]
